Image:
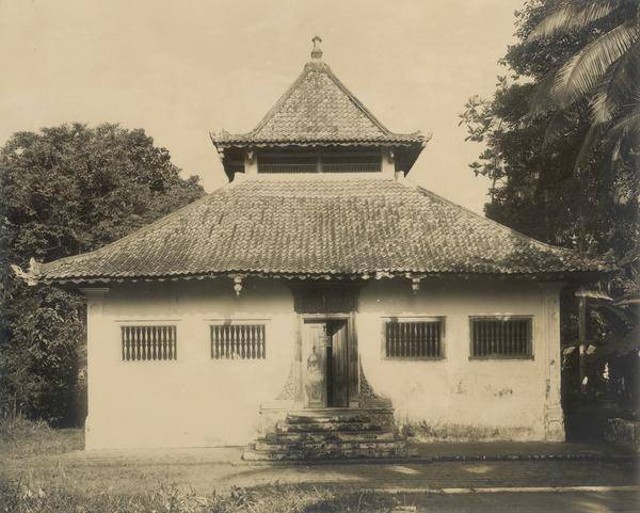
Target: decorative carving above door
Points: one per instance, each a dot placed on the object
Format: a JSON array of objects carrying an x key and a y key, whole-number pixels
[{"x": 318, "y": 298}]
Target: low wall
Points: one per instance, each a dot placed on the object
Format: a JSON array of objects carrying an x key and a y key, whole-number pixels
[{"x": 623, "y": 433}]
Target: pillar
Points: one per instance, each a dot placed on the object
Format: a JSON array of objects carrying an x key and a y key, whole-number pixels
[
  {"x": 95, "y": 298},
  {"x": 553, "y": 416}
]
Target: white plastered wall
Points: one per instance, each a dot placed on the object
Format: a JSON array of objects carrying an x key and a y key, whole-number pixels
[
  {"x": 194, "y": 400},
  {"x": 458, "y": 397}
]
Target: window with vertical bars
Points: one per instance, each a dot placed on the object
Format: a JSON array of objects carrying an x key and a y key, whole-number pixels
[
  {"x": 418, "y": 340},
  {"x": 149, "y": 343},
  {"x": 501, "y": 338},
  {"x": 238, "y": 342}
]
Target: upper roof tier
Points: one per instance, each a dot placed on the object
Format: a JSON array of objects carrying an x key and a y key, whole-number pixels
[{"x": 319, "y": 110}]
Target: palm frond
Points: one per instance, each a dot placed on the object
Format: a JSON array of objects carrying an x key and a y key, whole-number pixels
[
  {"x": 558, "y": 125},
  {"x": 586, "y": 148},
  {"x": 583, "y": 72},
  {"x": 627, "y": 126},
  {"x": 616, "y": 90},
  {"x": 542, "y": 100},
  {"x": 625, "y": 134},
  {"x": 572, "y": 17}
]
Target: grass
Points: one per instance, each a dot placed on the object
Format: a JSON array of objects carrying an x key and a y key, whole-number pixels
[
  {"x": 21, "y": 438},
  {"x": 20, "y": 498},
  {"x": 42, "y": 474}
]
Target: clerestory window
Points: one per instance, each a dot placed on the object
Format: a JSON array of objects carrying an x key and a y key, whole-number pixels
[{"x": 319, "y": 163}]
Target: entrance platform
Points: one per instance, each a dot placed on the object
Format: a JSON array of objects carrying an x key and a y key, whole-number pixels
[{"x": 331, "y": 434}]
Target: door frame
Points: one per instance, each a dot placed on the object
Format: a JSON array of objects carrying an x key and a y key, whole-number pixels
[{"x": 353, "y": 356}]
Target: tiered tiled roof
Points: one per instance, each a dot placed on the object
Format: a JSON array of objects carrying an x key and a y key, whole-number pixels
[{"x": 319, "y": 226}]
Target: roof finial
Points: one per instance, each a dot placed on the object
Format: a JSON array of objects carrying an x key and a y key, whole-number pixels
[{"x": 316, "y": 53}]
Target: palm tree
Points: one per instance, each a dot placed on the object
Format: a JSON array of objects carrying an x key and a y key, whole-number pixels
[
  {"x": 606, "y": 71},
  {"x": 604, "y": 74}
]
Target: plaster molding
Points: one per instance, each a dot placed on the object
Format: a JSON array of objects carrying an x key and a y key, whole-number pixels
[
  {"x": 95, "y": 298},
  {"x": 95, "y": 291}
]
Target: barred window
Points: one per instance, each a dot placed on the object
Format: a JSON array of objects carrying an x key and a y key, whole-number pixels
[
  {"x": 417, "y": 340},
  {"x": 149, "y": 343},
  {"x": 238, "y": 342},
  {"x": 501, "y": 338}
]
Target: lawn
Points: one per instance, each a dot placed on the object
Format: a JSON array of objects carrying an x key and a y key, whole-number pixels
[{"x": 43, "y": 472}]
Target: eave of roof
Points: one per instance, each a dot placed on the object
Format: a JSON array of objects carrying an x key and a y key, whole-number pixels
[
  {"x": 320, "y": 228},
  {"x": 225, "y": 140}
]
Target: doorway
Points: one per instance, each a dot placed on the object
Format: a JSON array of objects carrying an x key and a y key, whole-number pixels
[{"x": 326, "y": 363}]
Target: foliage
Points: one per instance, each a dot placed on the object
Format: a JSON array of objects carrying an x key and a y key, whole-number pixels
[
  {"x": 66, "y": 190},
  {"x": 561, "y": 147},
  {"x": 605, "y": 71}
]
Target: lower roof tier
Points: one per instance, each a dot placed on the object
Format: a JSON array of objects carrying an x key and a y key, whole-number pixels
[{"x": 319, "y": 226}]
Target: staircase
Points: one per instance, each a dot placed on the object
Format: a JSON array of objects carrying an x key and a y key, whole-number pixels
[{"x": 330, "y": 434}]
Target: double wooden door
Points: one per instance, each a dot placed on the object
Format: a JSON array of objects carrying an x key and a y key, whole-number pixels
[{"x": 325, "y": 361}]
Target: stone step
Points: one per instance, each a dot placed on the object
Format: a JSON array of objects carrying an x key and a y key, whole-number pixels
[
  {"x": 342, "y": 453},
  {"x": 354, "y": 436},
  {"x": 306, "y": 419},
  {"x": 330, "y": 435},
  {"x": 316, "y": 427},
  {"x": 320, "y": 412},
  {"x": 330, "y": 446}
]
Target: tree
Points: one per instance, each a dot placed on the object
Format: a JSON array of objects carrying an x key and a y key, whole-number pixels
[
  {"x": 561, "y": 172},
  {"x": 67, "y": 190}
]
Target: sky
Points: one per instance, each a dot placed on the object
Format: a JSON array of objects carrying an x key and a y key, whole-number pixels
[{"x": 183, "y": 69}]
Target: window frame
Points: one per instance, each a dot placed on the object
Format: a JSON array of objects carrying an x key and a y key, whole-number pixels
[
  {"x": 505, "y": 318},
  {"x": 149, "y": 324},
  {"x": 265, "y": 323},
  {"x": 441, "y": 319}
]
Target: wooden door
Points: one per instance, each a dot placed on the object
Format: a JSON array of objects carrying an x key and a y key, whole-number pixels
[
  {"x": 338, "y": 365},
  {"x": 326, "y": 364}
]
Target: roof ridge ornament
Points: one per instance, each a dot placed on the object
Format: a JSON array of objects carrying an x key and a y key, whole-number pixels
[{"x": 316, "y": 53}]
